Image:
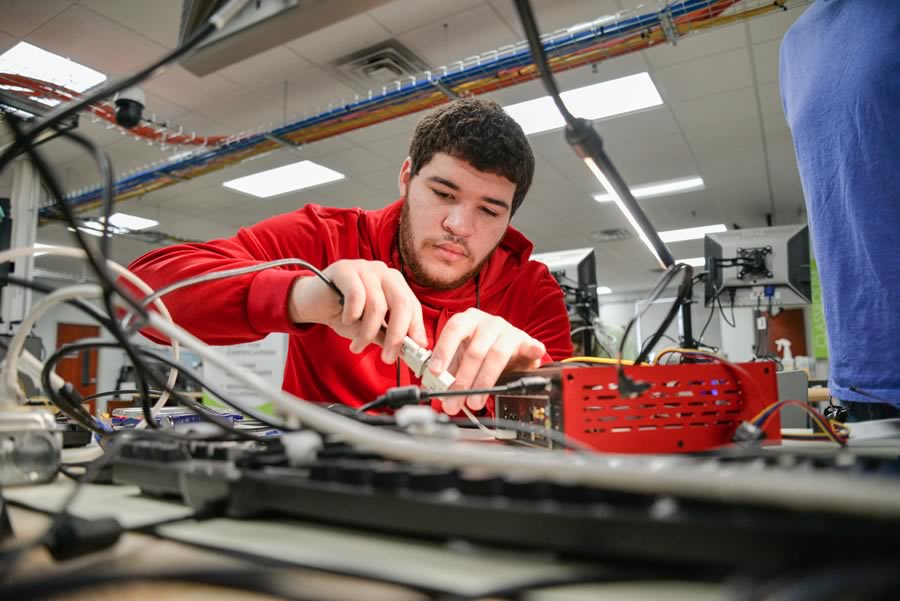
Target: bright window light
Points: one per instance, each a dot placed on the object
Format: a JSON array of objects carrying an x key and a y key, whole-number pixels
[
  {"x": 661, "y": 188},
  {"x": 603, "y": 290},
  {"x": 693, "y": 261},
  {"x": 691, "y": 233},
  {"x": 281, "y": 180},
  {"x": 597, "y": 101},
  {"x": 31, "y": 61}
]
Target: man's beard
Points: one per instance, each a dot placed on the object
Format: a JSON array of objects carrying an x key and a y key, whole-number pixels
[{"x": 409, "y": 256}]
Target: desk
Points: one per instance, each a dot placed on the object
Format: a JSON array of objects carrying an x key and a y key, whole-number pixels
[{"x": 315, "y": 554}]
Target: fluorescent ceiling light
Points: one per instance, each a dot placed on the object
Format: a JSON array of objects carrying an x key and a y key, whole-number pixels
[
  {"x": 691, "y": 233},
  {"x": 94, "y": 228},
  {"x": 34, "y": 62},
  {"x": 603, "y": 290},
  {"x": 661, "y": 188},
  {"x": 597, "y": 101},
  {"x": 130, "y": 222},
  {"x": 281, "y": 180},
  {"x": 119, "y": 223},
  {"x": 693, "y": 261},
  {"x": 604, "y": 181}
]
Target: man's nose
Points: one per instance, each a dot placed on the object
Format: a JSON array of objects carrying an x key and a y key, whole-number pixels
[{"x": 459, "y": 222}]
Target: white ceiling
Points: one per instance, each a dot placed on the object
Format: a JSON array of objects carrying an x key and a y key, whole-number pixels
[{"x": 721, "y": 118}]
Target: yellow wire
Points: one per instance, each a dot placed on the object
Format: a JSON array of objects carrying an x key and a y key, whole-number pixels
[
  {"x": 673, "y": 349},
  {"x": 601, "y": 360}
]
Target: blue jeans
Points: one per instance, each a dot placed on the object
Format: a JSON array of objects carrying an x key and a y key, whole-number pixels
[{"x": 864, "y": 411}]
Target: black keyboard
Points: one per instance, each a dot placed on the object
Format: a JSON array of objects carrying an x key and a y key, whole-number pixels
[{"x": 347, "y": 487}]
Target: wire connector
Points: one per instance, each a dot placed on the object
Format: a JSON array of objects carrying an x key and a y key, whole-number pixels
[
  {"x": 747, "y": 434},
  {"x": 528, "y": 384}
]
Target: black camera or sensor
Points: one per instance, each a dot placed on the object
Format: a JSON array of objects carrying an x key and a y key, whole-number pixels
[{"x": 129, "y": 107}]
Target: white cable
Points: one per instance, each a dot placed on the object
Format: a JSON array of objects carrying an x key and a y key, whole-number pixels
[
  {"x": 37, "y": 311},
  {"x": 63, "y": 251},
  {"x": 678, "y": 476},
  {"x": 477, "y": 423},
  {"x": 212, "y": 276}
]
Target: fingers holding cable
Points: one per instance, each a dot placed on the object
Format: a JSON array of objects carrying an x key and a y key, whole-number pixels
[
  {"x": 483, "y": 346},
  {"x": 404, "y": 316}
]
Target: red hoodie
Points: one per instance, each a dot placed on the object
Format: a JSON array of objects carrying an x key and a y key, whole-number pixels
[{"x": 320, "y": 366}]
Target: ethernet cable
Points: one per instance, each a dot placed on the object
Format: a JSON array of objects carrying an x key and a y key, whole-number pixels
[{"x": 219, "y": 275}]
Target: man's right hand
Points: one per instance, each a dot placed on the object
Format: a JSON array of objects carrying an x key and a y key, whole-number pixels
[{"x": 372, "y": 291}]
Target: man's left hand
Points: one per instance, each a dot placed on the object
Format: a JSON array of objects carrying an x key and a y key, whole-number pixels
[{"x": 481, "y": 347}]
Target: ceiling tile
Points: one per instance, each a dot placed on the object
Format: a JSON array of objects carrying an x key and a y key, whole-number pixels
[
  {"x": 244, "y": 112},
  {"x": 712, "y": 140},
  {"x": 398, "y": 127},
  {"x": 765, "y": 60},
  {"x": 394, "y": 149},
  {"x": 330, "y": 43},
  {"x": 21, "y": 17},
  {"x": 6, "y": 42},
  {"x": 356, "y": 162},
  {"x": 160, "y": 22},
  {"x": 402, "y": 15},
  {"x": 310, "y": 92},
  {"x": 774, "y": 25},
  {"x": 160, "y": 109},
  {"x": 705, "y": 76},
  {"x": 186, "y": 89},
  {"x": 74, "y": 34},
  {"x": 697, "y": 45},
  {"x": 716, "y": 109},
  {"x": 466, "y": 34},
  {"x": 266, "y": 67}
]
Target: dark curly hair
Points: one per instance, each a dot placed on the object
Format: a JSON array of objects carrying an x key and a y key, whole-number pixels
[{"x": 480, "y": 133}]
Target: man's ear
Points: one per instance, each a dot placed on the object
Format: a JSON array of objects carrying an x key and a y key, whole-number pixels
[{"x": 405, "y": 176}]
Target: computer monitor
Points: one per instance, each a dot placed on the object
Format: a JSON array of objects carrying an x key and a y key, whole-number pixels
[
  {"x": 759, "y": 266},
  {"x": 576, "y": 272}
]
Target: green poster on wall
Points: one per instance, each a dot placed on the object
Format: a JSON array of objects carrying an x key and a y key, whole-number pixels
[{"x": 819, "y": 333}]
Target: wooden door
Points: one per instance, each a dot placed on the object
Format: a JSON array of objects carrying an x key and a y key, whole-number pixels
[
  {"x": 78, "y": 368},
  {"x": 790, "y": 324}
]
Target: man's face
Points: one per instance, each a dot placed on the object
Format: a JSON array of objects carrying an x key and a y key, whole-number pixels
[{"x": 453, "y": 217}]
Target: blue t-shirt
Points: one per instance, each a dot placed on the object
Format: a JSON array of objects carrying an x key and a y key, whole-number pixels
[{"x": 840, "y": 86}]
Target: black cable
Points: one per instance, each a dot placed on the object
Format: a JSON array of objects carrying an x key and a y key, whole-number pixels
[
  {"x": 11, "y": 556},
  {"x": 539, "y": 57},
  {"x": 712, "y": 312},
  {"x": 408, "y": 395},
  {"x": 104, "y": 165},
  {"x": 198, "y": 408},
  {"x": 108, "y": 284},
  {"x": 59, "y": 114},
  {"x": 718, "y": 300},
  {"x": 57, "y": 194},
  {"x": 98, "y": 395},
  {"x": 628, "y": 387},
  {"x": 666, "y": 336},
  {"x": 214, "y": 390},
  {"x": 682, "y": 296}
]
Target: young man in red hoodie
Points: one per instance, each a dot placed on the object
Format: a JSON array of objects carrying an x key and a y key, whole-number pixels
[{"x": 442, "y": 265}]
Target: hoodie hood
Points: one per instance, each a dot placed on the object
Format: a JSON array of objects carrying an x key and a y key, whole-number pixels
[{"x": 380, "y": 228}]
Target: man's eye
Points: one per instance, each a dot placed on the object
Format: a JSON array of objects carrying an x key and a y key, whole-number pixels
[
  {"x": 489, "y": 212},
  {"x": 440, "y": 194}
]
